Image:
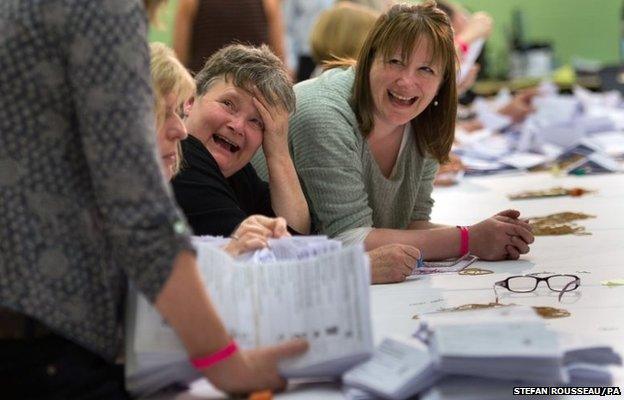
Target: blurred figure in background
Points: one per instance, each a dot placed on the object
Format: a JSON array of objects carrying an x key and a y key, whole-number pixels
[
  {"x": 377, "y": 5},
  {"x": 339, "y": 32},
  {"x": 468, "y": 29},
  {"x": 299, "y": 17},
  {"x": 204, "y": 26}
]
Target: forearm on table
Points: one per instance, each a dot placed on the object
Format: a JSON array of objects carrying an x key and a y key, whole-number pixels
[
  {"x": 419, "y": 225},
  {"x": 287, "y": 198},
  {"x": 185, "y": 304},
  {"x": 435, "y": 244}
]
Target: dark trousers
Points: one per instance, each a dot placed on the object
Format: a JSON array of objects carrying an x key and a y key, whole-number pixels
[{"x": 52, "y": 367}]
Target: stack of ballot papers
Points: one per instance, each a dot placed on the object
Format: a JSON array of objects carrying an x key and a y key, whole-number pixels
[
  {"x": 291, "y": 290},
  {"x": 483, "y": 353}
]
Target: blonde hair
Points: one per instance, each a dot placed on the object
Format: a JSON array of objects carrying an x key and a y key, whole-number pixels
[
  {"x": 168, "y": 77},
  {"x": 340, "y": 31},
  {"x": 404, "y": 27}
]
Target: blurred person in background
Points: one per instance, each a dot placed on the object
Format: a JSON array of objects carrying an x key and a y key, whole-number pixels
[
  {"x": 299, "y": 17},
  {"x": 204, "y": 26},
  {"x": 339, "y": 33}
]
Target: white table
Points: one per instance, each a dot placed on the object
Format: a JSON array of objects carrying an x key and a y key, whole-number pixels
[{"x": 596, "y": 310}]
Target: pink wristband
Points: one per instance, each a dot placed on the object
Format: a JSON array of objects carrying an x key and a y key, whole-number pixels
[
  {"x": 464, "y": 247},
  {"x": 218, "y": 356}
]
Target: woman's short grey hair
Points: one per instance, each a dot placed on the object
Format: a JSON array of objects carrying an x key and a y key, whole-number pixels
[{"x": 249, "y": 68}]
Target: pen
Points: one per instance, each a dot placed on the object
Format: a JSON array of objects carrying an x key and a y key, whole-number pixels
[{"x": 420, "y": 263}]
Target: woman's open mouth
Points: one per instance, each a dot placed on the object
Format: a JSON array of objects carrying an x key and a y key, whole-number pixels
[
  {"x": 401, "y": 101},
  {"x": 225, "y": 144}
]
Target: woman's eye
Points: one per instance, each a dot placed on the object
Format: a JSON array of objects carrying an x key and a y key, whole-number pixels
[
  {"x": 258, "y": 124},
  {"x": 229, "y": 104},
  {"x": 427, "y": 70},
  {"x": 395, "y": 61}
]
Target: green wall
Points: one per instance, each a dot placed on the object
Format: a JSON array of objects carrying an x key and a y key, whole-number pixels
[
  {"x": 589, "y": 29},
  {"x": 166, "y": 16}
]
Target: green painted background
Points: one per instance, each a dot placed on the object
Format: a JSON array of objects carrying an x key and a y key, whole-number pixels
[{"x": 589, "y": 29}]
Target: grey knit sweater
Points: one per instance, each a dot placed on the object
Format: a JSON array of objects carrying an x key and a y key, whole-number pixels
[{"x": 347, "y": 193}]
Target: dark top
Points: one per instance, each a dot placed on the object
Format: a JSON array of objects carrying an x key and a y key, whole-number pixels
[
  {"x": 219, "y": 23},
  {"x": 83, "y": 204},
  {"x": 214, "y": 204}
]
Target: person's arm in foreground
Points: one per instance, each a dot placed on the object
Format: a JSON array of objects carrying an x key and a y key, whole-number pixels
[
  {"x": 143, "y": 228},
  {"x": 186, "y": 306},
  {"x": 287, "y": 198}
]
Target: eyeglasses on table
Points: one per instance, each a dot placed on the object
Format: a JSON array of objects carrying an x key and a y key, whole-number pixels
[{"x": 561, "y": 283}]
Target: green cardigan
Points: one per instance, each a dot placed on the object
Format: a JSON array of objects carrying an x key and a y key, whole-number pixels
[{"x": 346, "y": 192}]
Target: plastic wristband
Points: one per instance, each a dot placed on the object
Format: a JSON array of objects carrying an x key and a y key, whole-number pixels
[
  {"x": 216, "y": 357},
  {"x": 465, "y": 241}
]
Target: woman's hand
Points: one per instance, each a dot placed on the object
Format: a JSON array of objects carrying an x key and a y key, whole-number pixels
[
  {"x": 479, "y": 27},
  {"x": 253, "y": 370},
  {"x": 501, "y": 237},
  {"x": 392, "y": 263},
  {"x": 254, "y": 233},
  {"x": 275, "y": 120},
  {"x": 447, "y": 174},
  {"x": 520, "y": 106}
]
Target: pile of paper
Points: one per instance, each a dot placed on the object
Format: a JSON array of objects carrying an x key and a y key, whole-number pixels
[
  {"x": 318, "y": 292},
  {"x": 483, "y": 353},
  {"x": 558, "y": 124}
]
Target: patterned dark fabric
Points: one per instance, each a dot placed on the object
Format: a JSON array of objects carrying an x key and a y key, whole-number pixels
[
  {"x": 83, "y": 205},
  {"x": 219, "y": 23}
]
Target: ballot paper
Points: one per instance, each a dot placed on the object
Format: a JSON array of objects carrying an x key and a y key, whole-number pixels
[
  {"x": 440, "y": 267},
  {"x": 502, "y": 342},
  {"x": 323, "y": 298},
  {"x": 481, "y": 354},
  {"x": 398, "y": 369},
  {"x": 293, "y": 248}
]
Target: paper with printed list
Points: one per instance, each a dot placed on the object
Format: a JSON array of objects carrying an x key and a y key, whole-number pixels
[{"x": 322, "y": 297}]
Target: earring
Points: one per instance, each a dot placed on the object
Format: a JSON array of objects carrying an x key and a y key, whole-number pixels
[{"x": 435, "y": 103}]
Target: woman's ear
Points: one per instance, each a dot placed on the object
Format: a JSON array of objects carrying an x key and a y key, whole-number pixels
[{"x": 188, "y": 105}]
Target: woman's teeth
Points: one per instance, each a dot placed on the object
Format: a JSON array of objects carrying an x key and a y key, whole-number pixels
[
  {"x": 223, "y": 142},
  {"x": 402, "y": 100}
]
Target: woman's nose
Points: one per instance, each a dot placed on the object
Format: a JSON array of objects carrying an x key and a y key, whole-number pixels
[
  {"x": 176, "y": 129},
  {"x": 237, "y": 124}
]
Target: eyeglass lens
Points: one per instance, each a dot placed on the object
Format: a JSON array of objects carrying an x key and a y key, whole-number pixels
[{"x": 522, "y": 284}]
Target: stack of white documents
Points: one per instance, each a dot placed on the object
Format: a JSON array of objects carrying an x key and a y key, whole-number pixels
[
  {"x": 322, "y": 295},
  {"x": 481, "y": 354}
]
